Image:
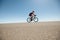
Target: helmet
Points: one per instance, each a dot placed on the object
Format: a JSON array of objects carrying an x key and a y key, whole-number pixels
[{"x": 33, "y": 11}]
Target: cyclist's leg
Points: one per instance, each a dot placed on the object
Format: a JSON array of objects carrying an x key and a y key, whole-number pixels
[{"x": 31, "y": 18}]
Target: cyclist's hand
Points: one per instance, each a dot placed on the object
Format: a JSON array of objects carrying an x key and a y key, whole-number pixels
[{"x": 34, "y": 15}]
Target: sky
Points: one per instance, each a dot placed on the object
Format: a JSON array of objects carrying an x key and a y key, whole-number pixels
[{"x": 18, "y": 10}]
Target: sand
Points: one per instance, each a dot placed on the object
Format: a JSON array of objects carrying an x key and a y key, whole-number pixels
[{"x": 30, "y": 31}]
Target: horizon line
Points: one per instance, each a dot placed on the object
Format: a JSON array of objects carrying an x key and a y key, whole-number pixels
[{"x": 25, "y": 22}]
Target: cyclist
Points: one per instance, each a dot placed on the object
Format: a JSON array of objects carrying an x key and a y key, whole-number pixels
[{"x": 32, "y": 15}]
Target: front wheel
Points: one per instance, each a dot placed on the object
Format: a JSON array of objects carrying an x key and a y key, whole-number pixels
[{"x": 35, "y": 19}]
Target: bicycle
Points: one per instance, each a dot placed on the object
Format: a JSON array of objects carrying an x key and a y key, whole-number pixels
[{"x": 35, "y": 19}]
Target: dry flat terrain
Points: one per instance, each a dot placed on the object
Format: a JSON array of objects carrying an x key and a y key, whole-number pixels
[{"x": 30, "y": 31}]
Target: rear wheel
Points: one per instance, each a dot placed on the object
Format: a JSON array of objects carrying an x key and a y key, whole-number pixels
[{"x": 28, "y": 20}]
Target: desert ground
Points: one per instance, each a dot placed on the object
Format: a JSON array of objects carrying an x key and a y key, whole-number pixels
[{"x": 30, "y": 31}]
